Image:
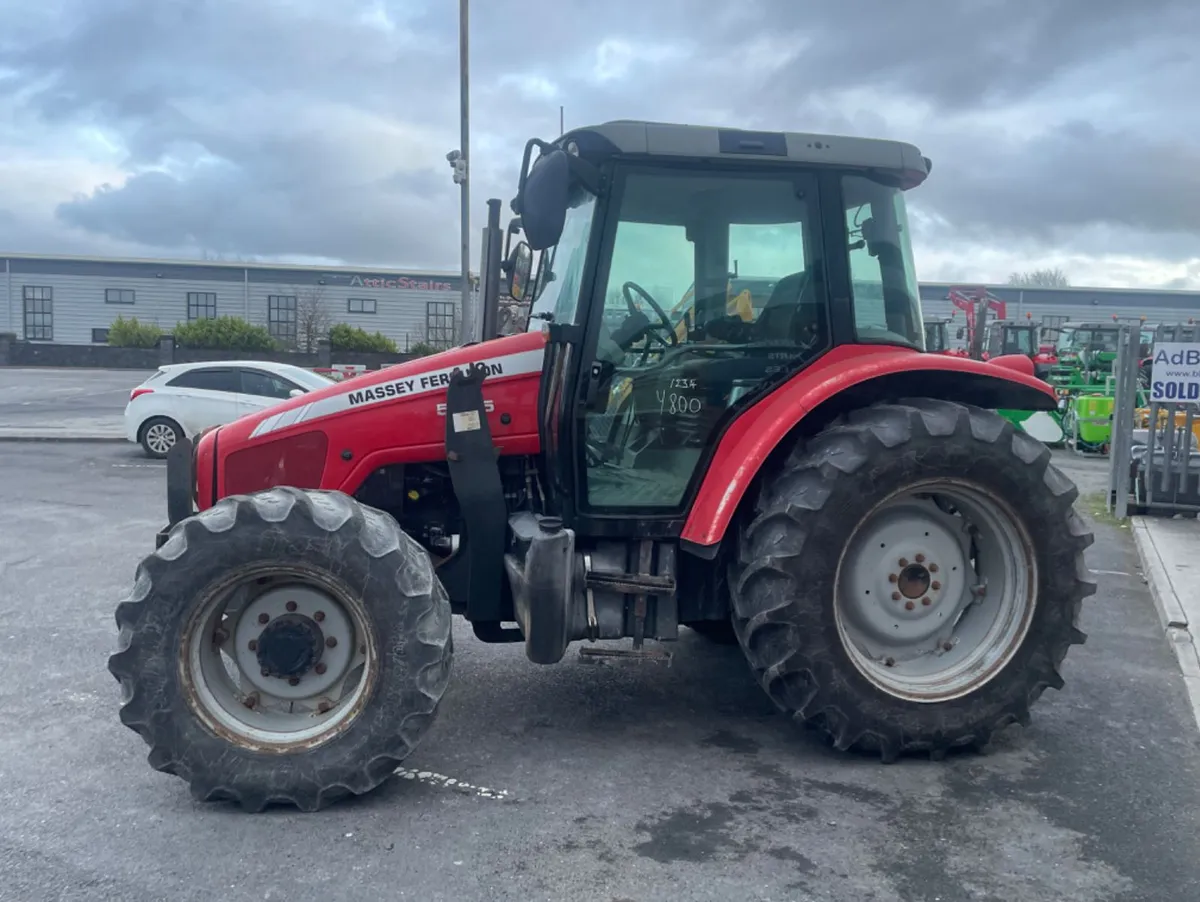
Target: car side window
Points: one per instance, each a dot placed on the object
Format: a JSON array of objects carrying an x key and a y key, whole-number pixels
[
  {"x": 266, "y": 385},
  {"x": 224, "y": 380}
]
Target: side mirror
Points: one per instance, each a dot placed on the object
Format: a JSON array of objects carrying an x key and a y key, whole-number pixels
[
  {"x": 960, "y": 333},
  {"x": 518, "y": 267},
  {"x": 296, "y": 393},
  {"x": 543, "y": 200}
]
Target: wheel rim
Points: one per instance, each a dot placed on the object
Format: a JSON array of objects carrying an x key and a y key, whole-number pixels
[
  {"x": 936, "y": 591},
  {"x": 278, "y": 660},
  {"x": 160, "y": 438}
]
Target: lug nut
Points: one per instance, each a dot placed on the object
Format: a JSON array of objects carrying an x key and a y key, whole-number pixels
[
  {"x": 252, "y": 645},
  {"x": 319, "y": 616},
  {"x": 895, "y": 596},
  {"x": 265, "y": 672},
  {"x": 320, "y": 668},
  {"x": 933, "y": 568},
  {"x": 903, "y": 562},
  {"x": 250, "y": 700},
  {"x": 220, "y": 635},
  {"x": 920, "y": 558},
  {"x": 331, "y": 642},
  {"x": 947, "y": 645},
  {"x": 925, "y": 601},
  {"x": 323, "y": 706},
  {"x": 293, "y": 681},
  {"x": 908, "y": 605},
  {"x": 291, "y": 607},
  {"x": 263, "y": 618},
  {"x": 892, "y": 577},
  {"x": 935, "y": 585},
  {"x": 362, "y": 649},
  {"x": 889, "y": 662}
]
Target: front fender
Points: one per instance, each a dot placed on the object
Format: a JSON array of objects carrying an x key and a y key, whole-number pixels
[{"x": 848, "y": 377}]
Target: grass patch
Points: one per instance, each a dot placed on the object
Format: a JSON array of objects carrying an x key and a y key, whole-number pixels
[{"x": 1095, "y": 506}]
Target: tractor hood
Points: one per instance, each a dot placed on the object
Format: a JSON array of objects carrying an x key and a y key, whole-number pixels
[
  {"x": 515, "y": 355},
  {"x": 336, "y": 436}
]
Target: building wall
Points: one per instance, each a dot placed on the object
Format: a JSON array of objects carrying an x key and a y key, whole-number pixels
[
  {"x": 408, "y": 307},
  {"x": 1076, "y": 304}
]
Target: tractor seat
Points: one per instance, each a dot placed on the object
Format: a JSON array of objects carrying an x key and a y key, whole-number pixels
[{"x": 794, "y": 311}]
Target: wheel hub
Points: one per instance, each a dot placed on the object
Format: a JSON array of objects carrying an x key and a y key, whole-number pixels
[
  {"x": 293, "y": 643},
  {"x": 914, "y": 581},
  {"x": 290, "y": 646},
  {"x": 907, "y": 579}
]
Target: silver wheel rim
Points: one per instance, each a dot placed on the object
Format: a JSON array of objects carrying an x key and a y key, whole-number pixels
[
  {"x": 160, "y": 438},
  {"x": 936, "y": 591},
  {"x": 232, "y": 633}
]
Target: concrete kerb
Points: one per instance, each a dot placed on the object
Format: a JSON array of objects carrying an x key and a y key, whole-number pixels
[{"x": 1172, "y": 613}]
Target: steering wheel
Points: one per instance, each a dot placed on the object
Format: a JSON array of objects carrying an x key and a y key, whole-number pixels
[{"x": 627, "y": 291}]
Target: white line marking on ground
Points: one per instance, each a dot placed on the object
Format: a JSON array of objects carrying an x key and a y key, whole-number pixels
[
  {"x": 442, "y": 781},
  {"x": 1112, "y": 572}
]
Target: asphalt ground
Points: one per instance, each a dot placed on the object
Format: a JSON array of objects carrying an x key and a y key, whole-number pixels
[
  {"x": 603, "y": 782},
  {"x": 72, "y": 403}
]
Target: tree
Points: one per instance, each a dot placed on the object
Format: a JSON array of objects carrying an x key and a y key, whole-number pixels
[
  {"x": 312, "y": 317},
  {"x": 1040, "y": 278}
]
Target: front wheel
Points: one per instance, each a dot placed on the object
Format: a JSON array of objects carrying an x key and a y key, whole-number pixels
[
  {"x": 284, "y": 647},
  {"x": 911, "y": 578}
]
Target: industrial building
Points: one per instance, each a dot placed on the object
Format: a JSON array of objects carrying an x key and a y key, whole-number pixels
[
  {"x": 1053, "y": 306},
  {"x": 74, "y": 300}
]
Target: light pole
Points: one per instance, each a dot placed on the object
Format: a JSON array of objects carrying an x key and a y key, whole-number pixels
[{"x": 459, "y": 160}]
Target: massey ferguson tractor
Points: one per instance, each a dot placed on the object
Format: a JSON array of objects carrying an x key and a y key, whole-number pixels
[{"x": 902, "y": 568}]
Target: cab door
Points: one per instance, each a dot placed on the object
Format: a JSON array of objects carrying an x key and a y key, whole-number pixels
[{"x": 653, "y": 401}]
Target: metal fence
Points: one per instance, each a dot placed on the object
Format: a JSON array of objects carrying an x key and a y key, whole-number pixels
[{"x": 1155, "y": 449}]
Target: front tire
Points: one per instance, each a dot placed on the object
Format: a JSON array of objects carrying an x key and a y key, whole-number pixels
[
  {"x": 911, "y": 578},
  {"x": 284, "y": 647}
]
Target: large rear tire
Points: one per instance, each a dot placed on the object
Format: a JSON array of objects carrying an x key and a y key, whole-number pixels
[
  {"x": 911, "y": 578},
  {"x": 284, "y": 647}
]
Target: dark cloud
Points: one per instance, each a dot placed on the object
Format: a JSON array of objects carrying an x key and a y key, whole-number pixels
[{"x": 320, "y": 127}]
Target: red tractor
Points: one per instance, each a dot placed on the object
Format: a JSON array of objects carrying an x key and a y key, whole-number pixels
[{"x": 901, "y": 567}]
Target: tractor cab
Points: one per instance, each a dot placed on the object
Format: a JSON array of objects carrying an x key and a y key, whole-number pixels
[
  {"x": 1012, "y": 337},
  {"x": 1020, "y": 337},
  {"x": 937, "y": 336},
  {"x": 623, "y": 229}
]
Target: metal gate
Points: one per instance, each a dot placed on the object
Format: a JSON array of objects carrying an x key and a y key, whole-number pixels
[{"x": 1155, "y": 451}]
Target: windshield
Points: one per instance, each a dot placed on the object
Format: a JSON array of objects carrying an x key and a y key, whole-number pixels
[
  {"x": 556, "y": 296},
  {"x": 1066, "y": 340},
  {"x": 1019, "y": 340}
]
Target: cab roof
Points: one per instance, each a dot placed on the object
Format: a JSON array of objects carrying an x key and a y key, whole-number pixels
[{"x": 636, "y": 138}]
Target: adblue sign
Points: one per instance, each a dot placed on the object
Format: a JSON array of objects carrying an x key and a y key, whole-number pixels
[{"x": 1175, "y": 375}]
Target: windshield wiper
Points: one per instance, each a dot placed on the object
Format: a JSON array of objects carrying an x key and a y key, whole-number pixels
[{"x": 548, "y": 317}]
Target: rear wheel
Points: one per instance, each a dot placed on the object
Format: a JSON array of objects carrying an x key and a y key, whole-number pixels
[
  {"x": 911, "y": 578},
  {"x": 159, "y": 435},
  {"x": 283, "y": 647}
]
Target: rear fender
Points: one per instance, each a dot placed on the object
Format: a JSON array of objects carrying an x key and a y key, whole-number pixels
[{"x": 846, "y": 378}]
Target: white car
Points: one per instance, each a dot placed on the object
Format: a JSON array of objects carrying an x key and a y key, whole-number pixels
[{"x": 184, "y": 399}]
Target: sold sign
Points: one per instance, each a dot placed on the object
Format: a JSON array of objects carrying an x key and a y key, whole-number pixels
[{"x": 1176, "y": 373}]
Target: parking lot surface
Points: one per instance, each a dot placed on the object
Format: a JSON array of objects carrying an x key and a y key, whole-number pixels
[
  {"x": 71, "y": 400},
  {"x": 603, "y": 782}
]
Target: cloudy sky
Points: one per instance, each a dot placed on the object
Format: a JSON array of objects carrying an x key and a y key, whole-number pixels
[{"x": 1063, "y": 132}]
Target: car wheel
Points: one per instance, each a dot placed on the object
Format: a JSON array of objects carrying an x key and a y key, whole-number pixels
[{"x": 159, "y": 435}]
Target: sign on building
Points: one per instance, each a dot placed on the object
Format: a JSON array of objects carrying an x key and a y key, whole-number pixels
[{"x": 1175, "y": 374}]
